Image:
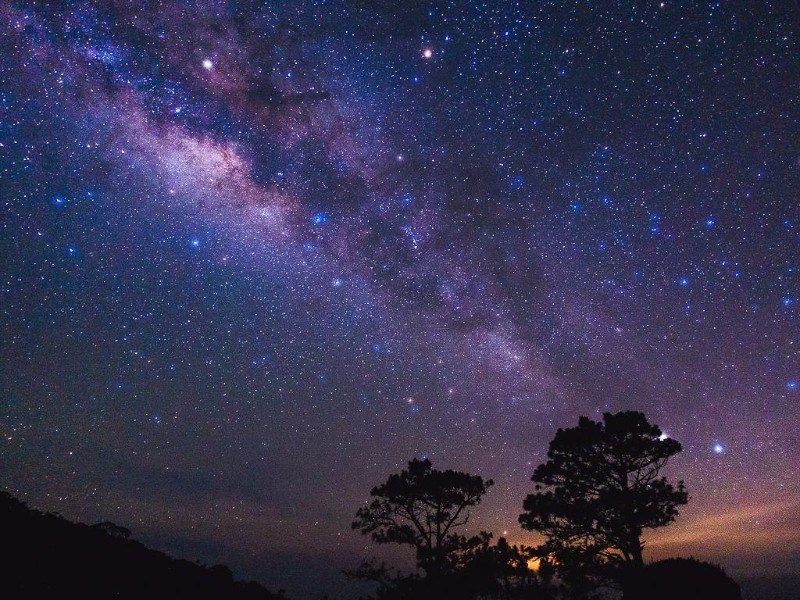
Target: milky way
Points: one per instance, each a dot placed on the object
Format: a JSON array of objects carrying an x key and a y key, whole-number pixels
[{"x": 257, "y": 257}]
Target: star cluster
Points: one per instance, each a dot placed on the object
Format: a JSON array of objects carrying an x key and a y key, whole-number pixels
[{"x": 257, "y": 256}]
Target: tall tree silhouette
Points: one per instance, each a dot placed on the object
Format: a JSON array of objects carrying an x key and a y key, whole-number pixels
[
  {"x": 600, "y": 488},
  {"x": 423, "y": 508}
]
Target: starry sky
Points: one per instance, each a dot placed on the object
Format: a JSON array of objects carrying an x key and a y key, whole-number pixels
[{"x": 256, "y": 256}]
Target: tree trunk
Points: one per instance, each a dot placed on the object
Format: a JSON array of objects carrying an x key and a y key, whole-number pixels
[{"x": 637, "y": 560}]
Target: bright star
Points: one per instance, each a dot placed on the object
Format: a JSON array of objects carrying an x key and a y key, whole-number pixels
[
  {"x": 427, "y": 53},
  {"x": 208, "y": 65},
  {"x": 194, "y": 243},
  {"x": 718, "y": 449}
]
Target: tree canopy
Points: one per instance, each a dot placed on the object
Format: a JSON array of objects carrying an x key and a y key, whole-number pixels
[
  {"x": 600, "y": 488},
  {"x": 423, "y": 507}
]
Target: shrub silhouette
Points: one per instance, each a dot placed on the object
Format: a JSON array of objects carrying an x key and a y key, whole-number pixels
[{"x": 681, "y": 578}]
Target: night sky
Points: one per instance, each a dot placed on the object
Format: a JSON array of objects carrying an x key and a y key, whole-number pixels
[{"x": 257, "y": 256}]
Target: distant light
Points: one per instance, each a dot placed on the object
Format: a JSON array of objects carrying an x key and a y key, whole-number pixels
[
  {"x": 663, "y": 437},
  {"x": 792, "y": 385},
  {"x": 58, "y": 201},
  {"x": 208, "y": 65},
  {"x": 684, "y": 281},
  {"x": 320, "y": 218},
  {"x": 427, "y": 53},
  {"x": 718, "y": 449},
  {"x": 194, "y": 243}
]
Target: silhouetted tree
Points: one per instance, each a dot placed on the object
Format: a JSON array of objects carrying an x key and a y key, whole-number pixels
[
  {"x": 113, "y": 529},
  {"x": 422, "y": 507},
  {"x": 599, "y": 489}
]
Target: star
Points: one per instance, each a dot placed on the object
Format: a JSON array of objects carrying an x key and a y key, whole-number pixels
[{"x": 502, "y": 216}]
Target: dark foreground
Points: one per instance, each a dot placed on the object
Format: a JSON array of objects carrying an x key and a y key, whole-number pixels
[{"x": 46, "y": 556}]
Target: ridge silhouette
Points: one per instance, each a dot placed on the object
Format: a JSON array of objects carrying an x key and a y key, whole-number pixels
[{"x": 48, "y": 556}]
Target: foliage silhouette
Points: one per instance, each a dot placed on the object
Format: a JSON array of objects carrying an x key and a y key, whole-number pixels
[
  {"x": 684, "y": 578},
  {"x": 423, "y": 507},
  {"x": 486, "y": 572},
  {"x": 599, "y": 489},
  {"x": 49, "y": 557}
]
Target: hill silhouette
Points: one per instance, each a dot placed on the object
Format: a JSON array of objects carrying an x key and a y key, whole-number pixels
[
  {"x": 684, "y": 578},
  {"x": 48, "y": 556}
]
